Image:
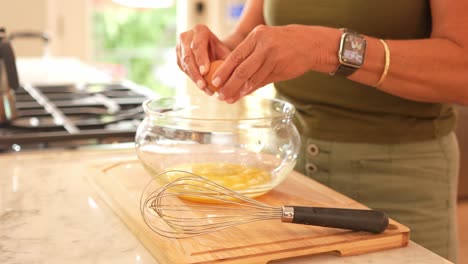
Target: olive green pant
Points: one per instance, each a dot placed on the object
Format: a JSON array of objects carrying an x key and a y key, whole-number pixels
[{"x": 414, "y": 183}]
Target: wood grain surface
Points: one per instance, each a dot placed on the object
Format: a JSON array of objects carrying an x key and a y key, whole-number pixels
[{"x": 121, "y": 183}]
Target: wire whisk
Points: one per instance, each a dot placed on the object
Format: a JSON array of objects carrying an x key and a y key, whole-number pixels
[{"x": 192, "y": 205}]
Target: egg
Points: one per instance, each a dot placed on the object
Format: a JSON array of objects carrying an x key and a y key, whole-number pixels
[
  {"x": 232, "y": 175},
  {"x": 209, "y": 76}
]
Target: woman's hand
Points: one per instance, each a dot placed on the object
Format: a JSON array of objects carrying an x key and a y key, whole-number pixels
[
  {"x": 195, "y": 49},
  {"x": 270, "y": 54}
]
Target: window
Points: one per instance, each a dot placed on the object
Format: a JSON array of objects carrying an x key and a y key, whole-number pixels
[{"x": 136, "y": 44}]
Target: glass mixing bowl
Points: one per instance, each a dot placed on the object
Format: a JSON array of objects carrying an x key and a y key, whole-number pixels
[{"x": 249, "y": 146}]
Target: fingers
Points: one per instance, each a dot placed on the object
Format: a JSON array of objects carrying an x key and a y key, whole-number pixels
[
  {"x": 220, "y": 50},
  {"x": 199, "y": 47},
  {"x": 238, "y": 56},
  {"x": 258, "y": 79},
  {"x": 237, "y": 69},
  {"x": 195, "y": 49},
  {"x": 179, "y": 55},
  {"x": 239, "y": 80},
  {"x": 188, "y": 60}
]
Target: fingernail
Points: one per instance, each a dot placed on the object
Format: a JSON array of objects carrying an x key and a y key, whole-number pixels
[
  {"x": 202, "y": 69},
  {"x": 216, "y": 81},
  {"x": 244, "y": 91},
  {"x": 221, "y": 96},
  {"x": 208, "y": 91},
  {"x": 200, "y": 84},
  {"x": 230, "y": 101}
]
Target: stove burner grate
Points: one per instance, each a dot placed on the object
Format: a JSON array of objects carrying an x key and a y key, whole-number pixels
[{"x": 69, "y": 116}]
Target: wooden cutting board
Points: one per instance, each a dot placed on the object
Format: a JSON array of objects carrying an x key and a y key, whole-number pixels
[{"x": 120, "y": 184}]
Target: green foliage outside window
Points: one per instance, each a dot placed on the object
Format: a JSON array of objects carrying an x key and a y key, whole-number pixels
[{"x": 137, "y": 39}]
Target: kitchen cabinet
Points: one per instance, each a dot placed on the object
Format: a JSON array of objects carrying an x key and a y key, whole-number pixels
[{"x": 67, "y": 23}]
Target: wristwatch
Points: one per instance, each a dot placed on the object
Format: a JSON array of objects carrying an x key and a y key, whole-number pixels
[{"x": 351, "y": 53}]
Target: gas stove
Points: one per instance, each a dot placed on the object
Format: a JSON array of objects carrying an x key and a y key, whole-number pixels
[{"x": 75, "y": 115}]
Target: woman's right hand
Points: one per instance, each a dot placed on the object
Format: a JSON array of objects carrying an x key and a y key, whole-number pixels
[{"x": 195, "y": 49}]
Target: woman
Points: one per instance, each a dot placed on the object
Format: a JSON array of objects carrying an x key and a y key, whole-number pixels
[{"x": 377, "y": 114}]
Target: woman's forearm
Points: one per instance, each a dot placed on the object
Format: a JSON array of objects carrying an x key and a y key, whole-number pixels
[{"x": 428, "y": 70}]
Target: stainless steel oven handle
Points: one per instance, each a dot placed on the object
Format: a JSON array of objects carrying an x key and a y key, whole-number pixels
[
  {"x": 9, "y": 63},
  {"x": 30, "y": 34}
]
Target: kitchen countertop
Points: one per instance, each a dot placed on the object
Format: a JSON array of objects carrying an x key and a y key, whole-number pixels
[{"x": 49, "y": 213}]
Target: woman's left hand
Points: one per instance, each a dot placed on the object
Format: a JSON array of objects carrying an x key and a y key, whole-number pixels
[{"x": 270, "y": 54}]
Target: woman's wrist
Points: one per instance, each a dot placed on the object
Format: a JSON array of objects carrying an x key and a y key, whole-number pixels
[
  {"x": 374, "y": 63},
  {"x": 325, "y": 43},
  {"x": 374, "y": 59}
]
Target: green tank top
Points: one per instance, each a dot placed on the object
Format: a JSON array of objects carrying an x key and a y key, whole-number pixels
[{"x": 335, "y": 108}]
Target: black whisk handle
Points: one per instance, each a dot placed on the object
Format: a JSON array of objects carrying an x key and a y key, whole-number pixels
[{"x": 352, "y": 219}]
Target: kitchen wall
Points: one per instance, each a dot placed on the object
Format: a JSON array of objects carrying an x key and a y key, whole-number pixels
[
  {"x": 14, "y": 16},
  {"x": 219, "y": 15},
  {"x": 67, "y": 23}
]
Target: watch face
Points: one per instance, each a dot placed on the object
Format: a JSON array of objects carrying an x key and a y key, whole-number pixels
[{"x": 353, "y": 49}]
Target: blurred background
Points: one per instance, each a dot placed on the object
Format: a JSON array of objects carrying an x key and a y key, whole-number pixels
[{"x": 128, "y": 39}]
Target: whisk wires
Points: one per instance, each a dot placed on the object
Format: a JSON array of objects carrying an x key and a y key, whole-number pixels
[{"x": 192, "y": 205}]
